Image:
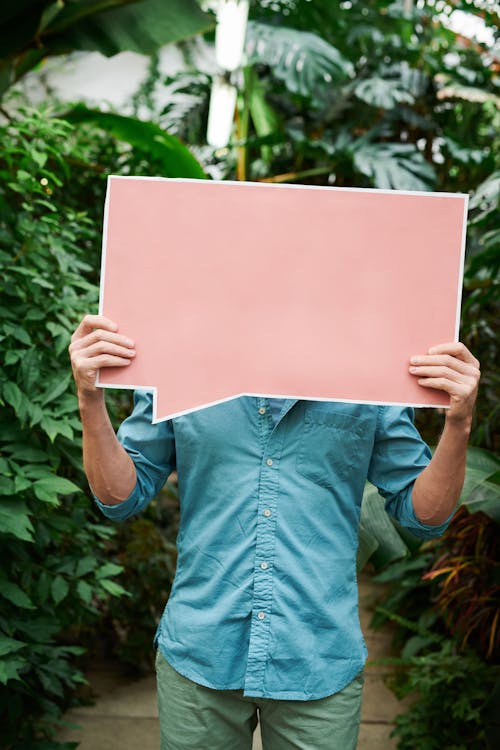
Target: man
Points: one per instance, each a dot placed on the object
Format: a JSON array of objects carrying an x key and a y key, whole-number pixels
[{"x": 262, "y": 617}]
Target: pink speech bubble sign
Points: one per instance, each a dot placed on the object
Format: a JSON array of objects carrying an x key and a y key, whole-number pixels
[{"x": 288, "y": 291}]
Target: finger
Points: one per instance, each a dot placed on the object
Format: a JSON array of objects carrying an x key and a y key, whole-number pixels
[
  {"x": 456, "y": 349},
  {"x": 445, "y": 360},
  {"x": 100, "y": 335},
  {"x": 441, "y": 372},
  {"x": 443, "y": 384},
  {"x": 104, "y": 360},
  {"x": 89, "y": 322},
  {"x": 105, "y": 347}
]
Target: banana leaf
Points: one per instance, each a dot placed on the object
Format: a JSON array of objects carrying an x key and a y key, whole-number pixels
[
  {"x": 382, "y": 540},
  {"x": 32, "y": 30},
  {"x": 176, "y": 159}
]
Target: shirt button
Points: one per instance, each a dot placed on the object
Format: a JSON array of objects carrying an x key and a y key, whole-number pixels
[
  {"x": 262, "y": 410},
  {"x": 261, "y": 615},
  {"x": 267, "y": 513},
  {"x": 264, "y": 565},
  {"x": 269, "y": 462}
]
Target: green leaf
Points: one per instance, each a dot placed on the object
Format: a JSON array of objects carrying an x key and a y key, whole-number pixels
[
  {"x": 141, "y": 27},
  {"x": 109, "y": 569},
  {"x": 41, "y": 629},
  {"x": 17, "y": 332},
  {"x": 376, "y": 523},
  {"x": 21, "y": 483},
  {"x": 307, "y": 64},
  {"x": 50, "y": 682},
  {"x": 393, "y": 166},
  {"x": 485, "y": 497},
  {"x": 55, "y": 427},
  {"x": 38, "y": 472},
  {"x": 14, "y": 519},
  {"x": 7, "y": 486},
  {"x": 59, "y": 589},
  {"x": 415, "y": 644},
  {"x": 463, "y": 154},
  {"x": 85, "y": 565},
  {"x": 10, "y": 669},
  {"x": 47, "y": 497},
  {"x": 176, "y": 159},
  {"x": 54, "y": 485},
  {"x": 113, "y": 588},
  {"x": 13, "y": 395},
  {"x": 12, "y": 357},
  {"x": 56, "y": 389},
  {"x": 264, "y": 117},
  {"x": 23, "y": 452},
  {"x": 50, "y": 12},
  {"x": 482, "y": 461},
  {"x": 9, "y": 645},
  {"x": 382, "y": 92},
  {"x": 14, "y": 594},
  {"x": 44, "y": 586},
  {"x": 486, "y": 196},
  {"x": 30, "y": 370},
  {"x": 35, "y": 414},
  {"x": 84, "y": 591},
  {"x": 367, "y": 545}
]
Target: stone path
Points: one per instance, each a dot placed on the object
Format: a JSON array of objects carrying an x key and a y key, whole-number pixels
[{"x": 124, "y": 716}]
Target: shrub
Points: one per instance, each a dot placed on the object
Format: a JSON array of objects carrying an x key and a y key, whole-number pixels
[
  {"x": 56, "y": 578},
  {"x": 454, "y": 698},
  {"x": 444, "y": 602}
]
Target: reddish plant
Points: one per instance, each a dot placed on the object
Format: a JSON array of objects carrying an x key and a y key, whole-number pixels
[{"x": 467, "y": 572}]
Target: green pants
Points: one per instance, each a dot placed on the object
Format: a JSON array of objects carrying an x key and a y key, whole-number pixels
[{"x": 193, "y": 717}]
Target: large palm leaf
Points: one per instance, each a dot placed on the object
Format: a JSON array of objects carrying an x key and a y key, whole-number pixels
[
  {"x": 34, "y": 29},
  {"x": 307, "y": 64},
  {"x": 175, "y": 158},
  {"x": 382, "y": 541}
]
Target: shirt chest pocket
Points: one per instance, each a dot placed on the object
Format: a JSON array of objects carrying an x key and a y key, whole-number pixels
[{"x": 331, "y": 447}]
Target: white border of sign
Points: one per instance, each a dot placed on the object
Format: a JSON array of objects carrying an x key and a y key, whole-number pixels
[{"x": 153, "y": 389}]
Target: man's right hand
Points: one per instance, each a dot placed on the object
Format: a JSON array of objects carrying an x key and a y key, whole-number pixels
[{"x": 95, "y": 344}]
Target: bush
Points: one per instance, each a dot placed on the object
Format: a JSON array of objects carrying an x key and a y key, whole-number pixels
[
  {"x": 448, "y": 645},
  {"x": 56, "y": 579},
  {"x": 454, "y": 697}
]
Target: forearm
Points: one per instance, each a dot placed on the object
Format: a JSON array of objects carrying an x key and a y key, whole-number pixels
[
  {"x": 109, "y": 469},
  {"x": 437, "y": 489}
]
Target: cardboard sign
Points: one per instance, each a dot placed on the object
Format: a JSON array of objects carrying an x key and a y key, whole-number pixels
[{"x": 289, "y": 291}]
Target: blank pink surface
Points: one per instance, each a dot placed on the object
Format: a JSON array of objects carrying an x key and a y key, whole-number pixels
[{"x": 288, "y": 291}]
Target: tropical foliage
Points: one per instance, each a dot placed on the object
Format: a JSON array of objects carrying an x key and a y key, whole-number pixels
[
  {"x": 354, "y": 93},
  {"x": 382, "y": 540},
  {"x": 55, "y": 577},
  {"x": 458, "y": 686},
  {"x": 32, "y": 30},
  {"x": 444, "y": 604}
]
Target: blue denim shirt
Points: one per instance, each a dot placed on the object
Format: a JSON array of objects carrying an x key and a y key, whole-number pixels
[{"x": 265, "y": 596}]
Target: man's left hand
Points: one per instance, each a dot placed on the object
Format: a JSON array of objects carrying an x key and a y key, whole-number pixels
[{"x": 453, "y": 369}]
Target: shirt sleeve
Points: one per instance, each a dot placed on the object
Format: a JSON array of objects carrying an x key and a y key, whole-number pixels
[
  {"x": 152, "y": 449},
  {"x": 399, "y": 456}
]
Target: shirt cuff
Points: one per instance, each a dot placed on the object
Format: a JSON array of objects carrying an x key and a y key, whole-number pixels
[
  {"x": 123, "y": 510},
  {"x": 425, "y": 530}
]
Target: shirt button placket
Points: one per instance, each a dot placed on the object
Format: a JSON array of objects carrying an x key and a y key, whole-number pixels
[{"x": 263, "y": 572}]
